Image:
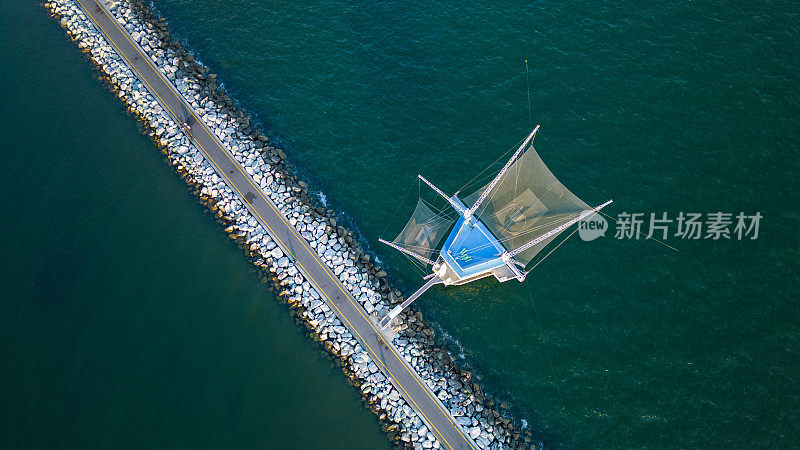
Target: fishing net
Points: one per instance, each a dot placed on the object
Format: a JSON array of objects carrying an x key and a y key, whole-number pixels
[
  {"x": 526, "y": 203},
  {"x": 424, "y": 231}
]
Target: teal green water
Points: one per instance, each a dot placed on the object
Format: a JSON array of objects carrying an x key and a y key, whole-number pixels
[
  {"x": 612, "y": 343},
  {"x": 128, "y": 318}
]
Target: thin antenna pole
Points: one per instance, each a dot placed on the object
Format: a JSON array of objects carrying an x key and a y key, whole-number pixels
[
  {"x": 496, "y": 180},
  {"x": 452, "y": 202},
  {"x": 528, "y": 84},
  {"x": 555, "y": 231},
  {"x": 407, "y": 252}
]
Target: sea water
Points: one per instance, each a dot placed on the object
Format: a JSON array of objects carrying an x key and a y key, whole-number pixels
[{"x": 131, "y": 318}]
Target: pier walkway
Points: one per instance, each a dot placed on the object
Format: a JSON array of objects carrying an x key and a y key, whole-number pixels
[{"x": 438, "y": 420}]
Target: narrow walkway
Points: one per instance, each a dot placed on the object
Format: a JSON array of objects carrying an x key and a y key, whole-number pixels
[{"x": 439, "y": 421}]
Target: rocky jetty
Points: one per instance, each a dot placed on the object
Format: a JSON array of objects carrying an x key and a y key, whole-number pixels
[{"x": 335, "y": 244}]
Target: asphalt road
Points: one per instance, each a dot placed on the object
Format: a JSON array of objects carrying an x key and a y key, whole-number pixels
[{"x": 449, "y": 434}]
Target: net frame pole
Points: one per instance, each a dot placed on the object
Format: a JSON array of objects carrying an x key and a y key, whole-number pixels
[
  {"x": 508, "y": 255},
  {"x": 503, "y": 171},
  {"x": 450, "y": 200},
  {"x": 407, "y": 252}
]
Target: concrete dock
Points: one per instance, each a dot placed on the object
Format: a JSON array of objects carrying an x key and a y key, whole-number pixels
[{"x": 439, "y": 421}]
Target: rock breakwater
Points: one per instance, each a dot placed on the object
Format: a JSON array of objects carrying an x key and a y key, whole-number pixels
[{"x": 334, "y": 244}]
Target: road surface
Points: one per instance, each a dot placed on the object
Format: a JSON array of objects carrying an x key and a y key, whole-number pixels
[{"x": 439, "y": 421}]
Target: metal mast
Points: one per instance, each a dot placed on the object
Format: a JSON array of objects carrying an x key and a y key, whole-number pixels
[
  {"x": 407, "y": 252},
  {"x": 496, "y": 180},
  {"x": 450, "y": 200},
  {"x": 508, "y": 255}
]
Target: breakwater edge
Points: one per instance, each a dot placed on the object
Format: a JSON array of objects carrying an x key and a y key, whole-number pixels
[{"x": 334, "y": 244}]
